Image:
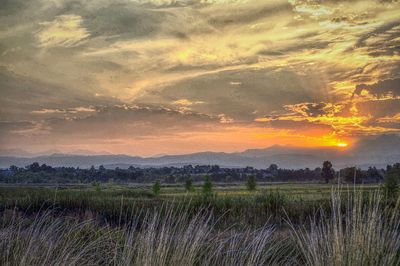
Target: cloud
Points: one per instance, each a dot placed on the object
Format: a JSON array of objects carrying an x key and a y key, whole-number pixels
[
  {"x": 24, "y": 98},
  {"x": 312, "y": 45},
  {"x": 301, "y": 127},
  {"x": 390, "y": 119},
  {"x": 380, "y": 88},
  {"x": 65, "y": 111},
  {"x": 186, "y": 102},
  {"x": 122, "y": 20},
  {"x": 80, "y": 67},
  {"x": 134, "y": 120},
  {"x": 378, "y": 108},
  {"x": 377, "y": 31},
  {"x": 314, "y": 109},
  {"x": 328, "y": 115},
  {"x": 64, "y": 30},
  {"x": 13, "y": 126},
  {"x": 265, "y": 90},
  {"x": 248, "y": 15}
]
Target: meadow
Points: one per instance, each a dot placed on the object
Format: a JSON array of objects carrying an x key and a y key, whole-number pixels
[{"x": 277, "y": 224}]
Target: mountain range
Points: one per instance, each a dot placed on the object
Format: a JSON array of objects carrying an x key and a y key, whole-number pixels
[{"x": 378, "y": 151}]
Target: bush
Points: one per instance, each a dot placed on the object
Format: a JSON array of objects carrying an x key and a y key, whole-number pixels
[
  {"x": 157, "y": 188},
  {"x": 251, "y": 183},
  {"x": 96, "y": 185},
  {"x": 189, "y": 185},
  {"x": 207, "y": 186}
]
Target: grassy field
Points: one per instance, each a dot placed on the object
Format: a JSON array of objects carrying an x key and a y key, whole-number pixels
[
  {"x": 278, "y": 224},
  {"x": 298, "y": 190},
  {"x": 108, "y": 202}
]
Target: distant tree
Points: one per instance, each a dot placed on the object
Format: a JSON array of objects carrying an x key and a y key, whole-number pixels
[
  {"x": 273, "y": 167},
  {"x": 327, "y": 172},
  {"x": 207, "y": 185},
  {"x": 157, "y": 188},
  {"x": 14, "y": 169},
  {"x": 352, "y": 174},
  {"x": 373, "y": 173},
  {"x": 391, "y": 184},
  {"x": 170, "y": 179},
  {"x": 34, "y": 167},
  {"x": 214, "y": 169},
  {"x": 189, "y": 185},
  {"x": 251, "y": 183}
]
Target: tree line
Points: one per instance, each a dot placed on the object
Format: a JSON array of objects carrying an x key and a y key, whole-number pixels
[{"x": 36, "y": 173}]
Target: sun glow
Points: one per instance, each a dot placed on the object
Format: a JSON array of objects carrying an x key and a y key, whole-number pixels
[{"x": 342, "y": 144}]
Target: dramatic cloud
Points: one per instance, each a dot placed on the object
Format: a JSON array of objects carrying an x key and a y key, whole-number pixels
[{"x": 151, "y": 76}]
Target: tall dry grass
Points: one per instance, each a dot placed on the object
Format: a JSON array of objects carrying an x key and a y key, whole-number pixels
[
  {"x": 355, "y": 230},
  {"x": 359, "y": 230},
  {"x": 167, "y": 236}
]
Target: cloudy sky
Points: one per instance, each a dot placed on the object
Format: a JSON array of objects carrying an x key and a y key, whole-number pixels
[{"x": 147, "y": 77}]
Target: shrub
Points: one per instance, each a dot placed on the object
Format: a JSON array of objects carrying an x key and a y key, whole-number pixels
[
  {"x": 207, "y": 186},
  {"x": 189, "y": 185},
  {"x": 96, "y": 185},
  {"x": 157, "y": 187},
  {"x": 251, "y": 183}
]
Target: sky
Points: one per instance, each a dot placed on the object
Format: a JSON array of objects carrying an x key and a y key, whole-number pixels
[{"x": 150, "y": 77}]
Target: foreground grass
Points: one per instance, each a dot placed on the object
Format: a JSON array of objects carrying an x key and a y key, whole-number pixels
[
  {"x": 351, "y": 229},
  {"x": 170, "y": 238}
]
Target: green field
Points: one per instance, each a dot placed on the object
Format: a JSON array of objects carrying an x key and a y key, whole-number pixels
[
  {"x": 292, "y": 191},
  {"x": 270, "y": 201}
]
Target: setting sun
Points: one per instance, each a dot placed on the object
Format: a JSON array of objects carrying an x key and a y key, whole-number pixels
[{"x": 342, "y": 145}]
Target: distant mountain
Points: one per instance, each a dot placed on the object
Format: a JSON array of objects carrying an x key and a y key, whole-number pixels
[
  {"x": 383, "y": 144},
  {"x": 378, "y": 151}
]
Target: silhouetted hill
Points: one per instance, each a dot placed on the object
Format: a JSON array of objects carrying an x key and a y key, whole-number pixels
[{"x": 378, "y": 151}]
